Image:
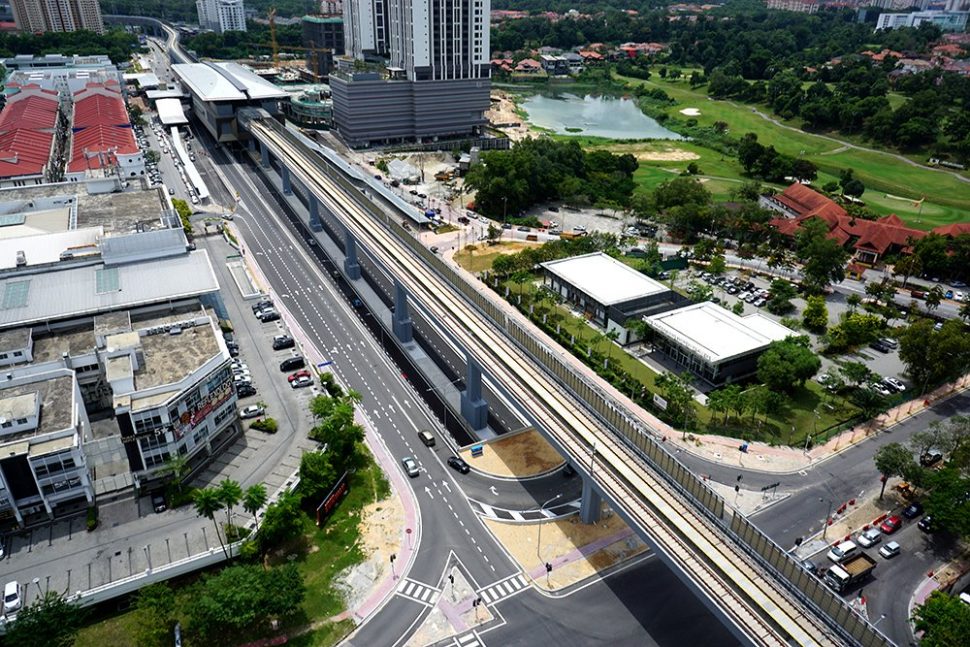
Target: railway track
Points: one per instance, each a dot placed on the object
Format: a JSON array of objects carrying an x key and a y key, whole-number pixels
[{"x": 747, "y": 595}]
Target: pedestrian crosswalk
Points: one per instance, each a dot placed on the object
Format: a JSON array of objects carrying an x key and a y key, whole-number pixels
[
  {"x": 469, "y": 640},
  {"x": 421, "y": 593},
  {"x": 504, "y": 588}
]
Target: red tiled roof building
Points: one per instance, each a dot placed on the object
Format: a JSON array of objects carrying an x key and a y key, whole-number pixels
[{"x": 27, "y": 127}]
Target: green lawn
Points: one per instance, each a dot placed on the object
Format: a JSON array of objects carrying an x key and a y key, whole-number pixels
[
  {"x": 947, "y": 198},
  {"x": 320, "y": 556}
]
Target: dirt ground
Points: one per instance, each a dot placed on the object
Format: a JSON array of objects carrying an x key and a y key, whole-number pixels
[
  {"x": 561, "y": 541},
  {"x": 652, "y": 152},
  {"x": 524, "y": 454},
  {"x": 380, "y": 536},
  {"x": 857, "y": 517},
  {"x": 502, "y": 111}
]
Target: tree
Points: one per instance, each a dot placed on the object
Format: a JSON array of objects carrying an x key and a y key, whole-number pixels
[
  {"x": 816, "y": 314},
  {"x": 50, "y": 621},
  {"x": 178, "y": 467},
  {"x": 207, "y": 503},
  {"x": 230, "y": 493},
  {"x": 869, "y": 401},
  {"x": 853, "y": 301},
  {"x": 152, "y": 156},
  {"x": 850, "y": 184},
  {"x": 908, "y": 266},
  {"x": 738, "y": 308},
  {"x": 932, "y": 357},
  {"x": 717, "y": 265},
  {"x": 185, "y": 213},
  {"x": 699, "y": 292},
  {"x": 823, "y": 259},
  {"x": 154, "y": 615},
  {"x": 893, "y": 460},
  {"x": 503, "y": 264},
  {"x": 786, "y": 364},
  {"x": 944, "y": 620},
  {"x": 317, "y": 475},
  {"x": 282, "y": 521},
  {"x": 253, "y": 499},
  {"x": 934, "y": 298},
  {"x": 493, "y": 234},
  {"x": 948, "y": 502},
  {"x": 240, "y": 600},
  {"x": 680, "y": 192},
  {"x": 676, "y": 390},
  {"x": 719, "y": 402},
  {"x": 612, "y": 335},
  {"x": 855, "y": 373},
  {"x": 780, "y": 295}
]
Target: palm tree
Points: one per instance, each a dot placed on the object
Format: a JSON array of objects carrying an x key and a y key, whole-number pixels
[
  {"x": 612, "y": 335},
  {"x": 207, "y": 502},
  {"x": 253, "y": 499},
  {"x": 178, "y": 467},
  {"x": 229, "y": 493}
]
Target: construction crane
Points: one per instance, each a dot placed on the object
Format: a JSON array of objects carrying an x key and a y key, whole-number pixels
[{"x": 272, "y": 36}]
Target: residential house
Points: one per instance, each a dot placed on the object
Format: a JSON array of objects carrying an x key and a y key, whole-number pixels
[
  {"x": 554, "y": 65},
  {"x": 528, "y": 66},
  {"x": 590, "y": 57}
]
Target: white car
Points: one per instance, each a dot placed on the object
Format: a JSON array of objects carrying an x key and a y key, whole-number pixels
[
  {"x": 890, "y": 550},
  {"x": 894, "y": 383},
  {"x": 869, "y": 538},
  {"x": 959, "y": 296},
  {"x": 301, "y": 382},
  {"x": 881, "y": 389},
  {"x": 252, "y": 411},
  {"x": 11, "y": 597},
  {"x": 842, "y": 552}
]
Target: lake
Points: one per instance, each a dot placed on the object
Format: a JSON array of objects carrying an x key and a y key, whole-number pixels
[{"x": 595, "y": 115}]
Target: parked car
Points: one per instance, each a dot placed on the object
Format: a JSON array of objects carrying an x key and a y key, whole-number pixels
[
  {"x": 158, "y": 502},
  {"x": 260, "y": 305},
  {"x": 913, "y": 510},
  {"x": 11, "y": 597},
  {"x": 894, "y": 383},
  {"x": 410, "y": 466},
  {"x": 926, "y": 524},
  {"x": 459, "y": 464},
  {"x": 890, "y": 550},
  {"x": 245, "y": 390},
  {"x": 298, "y": 375},
  {"x": 292, "y": 363},
  {"x": 891, "y": 524},
  {"x": 869, "y": 538},
  {"x": 281, "y": 342},
  {"x": 252, "y": 411},
  {"x": 880, "y": 388},
  {"x": 930, "y": 457},
  {"x": 810, "y": 566},
  {"x": 880, "y": 346},
  {"x": 302, "y": 382},
  {"x": 267, "y": 316},
  {"x": 843, "y": 551}
]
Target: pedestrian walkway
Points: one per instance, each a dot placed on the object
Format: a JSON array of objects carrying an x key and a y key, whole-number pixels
[
  {"x": 418, "y": 592},
  {"x": 469, "y": 640},
  {"x": 502, "y": 514},
  {"x": 504, "y": 588}
]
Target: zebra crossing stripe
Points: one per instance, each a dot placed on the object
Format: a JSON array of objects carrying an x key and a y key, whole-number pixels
[
  {"x": 486, "y": 595},
  {"x": 488, "y": 510}
]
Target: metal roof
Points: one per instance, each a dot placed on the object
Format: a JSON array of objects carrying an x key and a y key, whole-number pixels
[
  {"x": 170, "y": 112},
  {"x": 53, "y": 295},
  {"x": 604, "y": 278},
  {"x": 226, "y": 81}
]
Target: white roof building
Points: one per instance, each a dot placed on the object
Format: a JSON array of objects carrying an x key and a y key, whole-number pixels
[
  {"x": 170, "y": 112},
  {"x": 604, "y": 279}
]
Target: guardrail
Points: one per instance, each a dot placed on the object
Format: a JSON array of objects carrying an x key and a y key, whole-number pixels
[{"x": 806, "y": 589}]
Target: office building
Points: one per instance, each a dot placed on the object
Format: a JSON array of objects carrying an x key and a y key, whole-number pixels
[
  {"x": 434, "y": 83},
  {"x": 945, "y": 20},
  {"x": 39, "y": 16},
  {"x": 221, "y": 15}
]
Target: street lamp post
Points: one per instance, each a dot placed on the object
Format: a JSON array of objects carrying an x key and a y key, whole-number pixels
[
  {"x": 539, "y": 539},
  {"x": 828, "y": 515}
]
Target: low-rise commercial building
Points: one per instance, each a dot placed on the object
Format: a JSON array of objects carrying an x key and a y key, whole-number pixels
[
  {"x": 609, "y": 293},
  {"x": 714, "y": 343}
]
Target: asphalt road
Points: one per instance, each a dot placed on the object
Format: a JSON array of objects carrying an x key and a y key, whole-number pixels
[{"x": 630, "y": 612}]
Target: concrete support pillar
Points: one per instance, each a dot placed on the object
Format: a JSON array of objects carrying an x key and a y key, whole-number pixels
[
  {"x": 285, "y": 175},
  {"x": 589, "y": 509},
  {"x": 251, "y": 143},
  {"x": 474, "y": 409},
  {"x": 263, "y": 155},
  {"x": 351, "y": 266},
  {"x": 401, "y": 322},
  {"x": 314, "y": 205}
]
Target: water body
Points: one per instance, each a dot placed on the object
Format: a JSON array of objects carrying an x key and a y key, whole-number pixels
[{"x": 595, "y": 115}]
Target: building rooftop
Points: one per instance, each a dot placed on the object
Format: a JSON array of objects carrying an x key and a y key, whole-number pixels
[
  {"x": 14, "y": 339},
  {"x": 225, "y": 81},
  {"x": 171, "y": 358},
  {"x": 717, "y": 334},
  {"x": 56, "y": 395},
  {"x": 30, "y": 298},
  {"x": 117, "y": 213},
  {"x": 604, "y": 278},
  {"x": 170, "y": 112}
]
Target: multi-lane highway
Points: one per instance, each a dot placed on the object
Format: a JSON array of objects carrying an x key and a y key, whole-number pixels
[
  {"x": 750, "y": 598},
  {"x": 642, "y": 605}
]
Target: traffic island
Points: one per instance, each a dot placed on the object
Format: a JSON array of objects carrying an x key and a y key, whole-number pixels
[
  {"x": 575, "y": 551},
  {"x": 455, "y": 612},
  {"x": 518, "y": 455}
]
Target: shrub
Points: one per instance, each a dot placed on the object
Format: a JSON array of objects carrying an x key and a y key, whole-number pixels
[
  {"x": 92, "y": 521},
  {"x": 269, "y": 425}
]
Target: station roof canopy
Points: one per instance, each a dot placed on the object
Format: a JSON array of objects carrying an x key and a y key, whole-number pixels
[
  {"x": 604, "y": 279},
  {"x": 716, "y": 334},
  {"x": 144, "y": 80},
  {"x": 225, "y": 81},
  {"x": 170, "y": 112}
]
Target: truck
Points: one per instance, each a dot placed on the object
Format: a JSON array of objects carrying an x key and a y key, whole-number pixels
[{"x": 852, "y": 571}]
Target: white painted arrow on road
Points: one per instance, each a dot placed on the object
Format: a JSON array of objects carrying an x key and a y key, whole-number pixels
[
  {"x": 428, "y": 490},
  {"x": 445, "y": 484},
  {"x": 493, "y": 490}
]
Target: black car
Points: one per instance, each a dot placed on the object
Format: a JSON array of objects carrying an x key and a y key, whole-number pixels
[
  {"x": 292, "y": 363},
  {"x": 281, "y": 342},
  {"x": 810, "y": 566},
  {"x": 245, "y": 390},
  {"x": 260, "y": 305},
  {"x": 267, "y": 316},
  {"x": 913, "y": 510},
  {"x": 926, "y": 524},
  {"x": 458, "y": 463},
  {"x": 158, "y": 502},
  {"x": 880, "y": 346}
]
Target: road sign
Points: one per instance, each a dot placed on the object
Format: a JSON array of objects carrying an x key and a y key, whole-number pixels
[
  {"x": 768, "y": 487},
  {"x": 659, "y": 401},
  {"x": 477, "y": 450},
  {"x": 407, "y": 530}
]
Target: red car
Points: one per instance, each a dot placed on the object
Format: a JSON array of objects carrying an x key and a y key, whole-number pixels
[
  {"x": 891, "y": 524},
  {"x": 298, "y": 375}
]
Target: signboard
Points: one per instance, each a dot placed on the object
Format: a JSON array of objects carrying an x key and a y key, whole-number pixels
[
  {"x": 768, "y": 487},
  {"x": 660, "y": 402},
  {"x": 477, "y": 450},
  {"x": 333, "y": 498}
]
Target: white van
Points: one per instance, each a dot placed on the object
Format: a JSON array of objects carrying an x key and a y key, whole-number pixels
[
  {"x": 843, "y": 551},
  {"x": 11, "y": 597}
]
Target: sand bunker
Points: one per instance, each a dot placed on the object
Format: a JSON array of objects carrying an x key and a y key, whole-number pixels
[
  {"x": 691, "y": 112},
  {"x": 668, "y": 155}
]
